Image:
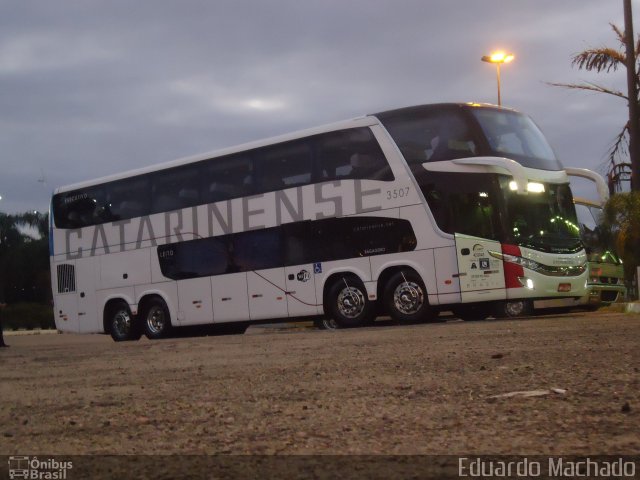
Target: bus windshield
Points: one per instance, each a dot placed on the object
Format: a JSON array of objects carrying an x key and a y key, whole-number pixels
[{"x": 544, "y": 220}]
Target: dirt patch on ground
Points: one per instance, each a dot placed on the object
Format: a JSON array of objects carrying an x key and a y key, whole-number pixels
[{"x": 420, "y": 389}]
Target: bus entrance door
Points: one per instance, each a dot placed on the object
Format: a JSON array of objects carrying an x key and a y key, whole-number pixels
[{"x": 481, "y": 275}]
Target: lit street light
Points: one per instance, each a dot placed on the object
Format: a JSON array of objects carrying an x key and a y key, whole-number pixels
[{"x": 498, "y": 58}]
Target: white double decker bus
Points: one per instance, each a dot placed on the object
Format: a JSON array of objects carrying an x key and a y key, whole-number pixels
[{"x": 405, "y": 213}]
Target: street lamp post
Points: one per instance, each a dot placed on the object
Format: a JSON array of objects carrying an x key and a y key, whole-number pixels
[{"x": 498, "y": 58}]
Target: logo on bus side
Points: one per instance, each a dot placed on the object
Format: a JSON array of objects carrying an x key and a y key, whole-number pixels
[
  {"x": 303, "y": 276},
  {"x": 255, "y": 212}
]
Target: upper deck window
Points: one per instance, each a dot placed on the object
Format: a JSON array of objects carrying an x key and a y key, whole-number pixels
[
  {"x": 514, "y": 135},
  {"x": 352, "y": 153},
  {"x": 432, "y": 135},
  {"x": 435, "y": 133}
]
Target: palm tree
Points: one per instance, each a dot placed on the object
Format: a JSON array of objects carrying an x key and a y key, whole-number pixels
[{"x": 607, "y": 60}]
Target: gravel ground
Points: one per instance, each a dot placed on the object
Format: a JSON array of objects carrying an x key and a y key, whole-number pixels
[{"x": 402, "y": 390}]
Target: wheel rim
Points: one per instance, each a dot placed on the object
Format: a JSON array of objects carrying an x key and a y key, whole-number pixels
[
  {"x": 351, "y": 302},
  {"x": 156, "y": 320},
  {"x": 514, "y": 309},
  {"x": 408, "y": 298},
  {"x": 329, "y": 324},
  {"x": 122, "y": 323}
]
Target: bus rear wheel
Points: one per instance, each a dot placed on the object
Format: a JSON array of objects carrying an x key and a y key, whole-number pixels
[
  {"x": 122, "y": 325},
  {"x": 348, "y": 304},
  {"x": 405, "y": 298},
  {"x": 157, "y": 321}
]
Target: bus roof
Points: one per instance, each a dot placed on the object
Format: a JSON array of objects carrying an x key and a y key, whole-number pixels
[{"x": 438, "y": 106}]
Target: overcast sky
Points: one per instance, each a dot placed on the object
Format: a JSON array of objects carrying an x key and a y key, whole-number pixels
[{"x": 90, "y": 88}]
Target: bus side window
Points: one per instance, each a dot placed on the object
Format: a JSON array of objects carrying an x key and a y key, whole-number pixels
[
  {"x": 361, "y": 165},
  {"x": 257, "y": 249},
  {"x": 350, "y": 154},
  {"x": 78, "y": 209},
  {"x": 195, "y": 258},
  {"x": 439, "y": 206},
  {"x": 228, "y": 177},
  {"x": 299, "y": 243},
  {"x": 129, "y": 198},
  {"x": 284, "y": 166},
  {"x": 437, "y": 136},
  {"x": 175, "y": 188}
]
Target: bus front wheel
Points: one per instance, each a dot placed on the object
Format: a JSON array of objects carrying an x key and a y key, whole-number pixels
[
  {"x": 513, "y": 308},
  {"x": 157, "y": 321},
  {"x": 122, "y": 326},
  {"x": 348, "y": 303},
  {"x": 326, "y": 323}
]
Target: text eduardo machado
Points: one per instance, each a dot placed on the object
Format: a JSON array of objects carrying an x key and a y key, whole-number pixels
[{"x": 549, "y": 467}]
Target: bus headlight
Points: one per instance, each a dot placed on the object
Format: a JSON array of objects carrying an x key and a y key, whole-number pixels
[
  {"x": 533, "y": 187},
  {"x": 526, "y": 282},
  {"x": 523, "y": 262},
  {"x": 549, "y": 270}
]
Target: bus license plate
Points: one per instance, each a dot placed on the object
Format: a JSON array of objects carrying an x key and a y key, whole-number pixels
[{"x": 564, "y": 287}]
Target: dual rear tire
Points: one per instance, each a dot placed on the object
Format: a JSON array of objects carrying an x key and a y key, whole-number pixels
[
  {"x": 155, "y": 321},
  {"x": 347, "y": 303},
  {"x": 404, "y": 298}
]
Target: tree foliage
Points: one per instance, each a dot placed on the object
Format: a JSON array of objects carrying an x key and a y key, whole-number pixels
[
  {"x": 621, "y": 225},
  {"x": 24, "y": 258},
  {"x": 606, "y": 60},
  {"x": 603, "y": 59}
]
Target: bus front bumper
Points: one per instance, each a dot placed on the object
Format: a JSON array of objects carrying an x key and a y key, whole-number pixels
[{"x": 539, "y": 286}]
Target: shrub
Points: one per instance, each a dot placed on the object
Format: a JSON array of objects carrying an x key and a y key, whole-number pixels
[{"x": 28, "y": 316}]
